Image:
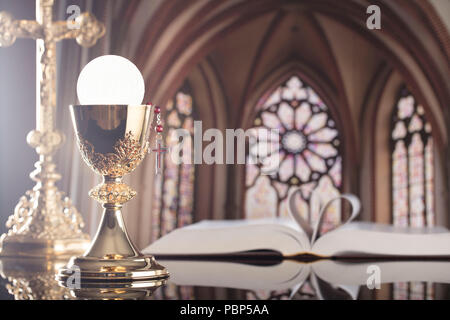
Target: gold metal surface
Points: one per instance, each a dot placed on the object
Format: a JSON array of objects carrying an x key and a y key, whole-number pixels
[
  {"x": 33, "y": 279},
  {"x": 113, "y": 140},
  {"x": 140, "y": 290},
  {"x": 45, "y": 223}
]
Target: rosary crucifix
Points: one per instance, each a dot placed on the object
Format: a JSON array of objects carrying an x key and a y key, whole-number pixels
[
  {"x": 160, "y": 149},
  {"x": 45, "y": 215}
]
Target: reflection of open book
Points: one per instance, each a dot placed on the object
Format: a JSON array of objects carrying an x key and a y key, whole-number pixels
[
  {"x": 293, "y": 238},
  {"x": 330, "y": 279}
]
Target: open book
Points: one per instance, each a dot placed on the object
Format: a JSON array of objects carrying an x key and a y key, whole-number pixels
[{"x": 293, "y": 238}]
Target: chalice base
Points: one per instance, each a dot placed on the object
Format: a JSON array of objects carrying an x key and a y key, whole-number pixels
[
  {"x": 98, "y": 271},
  {"x": 112, "y": 256}
]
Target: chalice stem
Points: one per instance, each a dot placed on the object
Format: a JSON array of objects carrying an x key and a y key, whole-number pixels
[{"x": 112, "y": 238}]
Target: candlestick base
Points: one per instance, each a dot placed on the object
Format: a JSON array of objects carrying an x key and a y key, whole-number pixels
[{"x": 45, "y": 224}]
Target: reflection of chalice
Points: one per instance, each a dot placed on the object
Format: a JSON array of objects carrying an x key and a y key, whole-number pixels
[
  {"x": 113, "y": 140},
  {"x": 117, "y": 291}
]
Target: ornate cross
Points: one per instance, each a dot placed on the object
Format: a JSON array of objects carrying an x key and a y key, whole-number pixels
[
  {"x": 86, "y": 30},
  {"x": 160, "y": 150},
  {"x": 45, "y": 215}
]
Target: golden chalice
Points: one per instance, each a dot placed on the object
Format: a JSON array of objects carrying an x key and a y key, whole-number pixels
[{"x": 113, "y": 140}]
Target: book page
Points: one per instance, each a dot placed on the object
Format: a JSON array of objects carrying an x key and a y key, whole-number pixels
[
  {"x": 221, "y": 237},
  {"x": 381, "y": 227},
  {"x": 377, "y": 239},
  {"x": 239, "y": 223}
]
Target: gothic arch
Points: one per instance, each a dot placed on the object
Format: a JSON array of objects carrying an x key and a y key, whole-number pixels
[
  {"x": 376, "y": 120},
  {"x": 212, "y": 21}
]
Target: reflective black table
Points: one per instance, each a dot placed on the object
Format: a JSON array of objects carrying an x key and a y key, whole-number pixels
[{"x": 35, "y": 279}]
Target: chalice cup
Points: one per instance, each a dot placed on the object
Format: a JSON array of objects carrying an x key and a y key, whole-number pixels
[{"x": 113, "y": 140}]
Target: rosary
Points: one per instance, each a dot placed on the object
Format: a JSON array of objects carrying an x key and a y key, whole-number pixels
[{"x": 159, "y": 145}]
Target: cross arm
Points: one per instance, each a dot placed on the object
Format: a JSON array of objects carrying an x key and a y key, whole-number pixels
[
  {"x": 11, "y": 29},
  {"x": 86, "y": 30}
]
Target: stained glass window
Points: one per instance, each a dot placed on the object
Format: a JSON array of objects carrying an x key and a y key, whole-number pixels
[
  {"x": 308, "y": 151},
  {"x": 176, "y": 183},
  {"x": 412, "y": 177}
]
